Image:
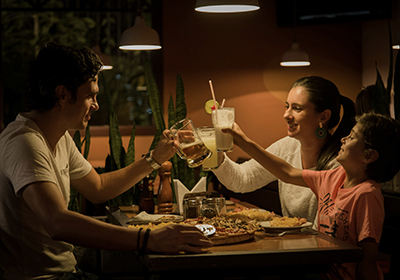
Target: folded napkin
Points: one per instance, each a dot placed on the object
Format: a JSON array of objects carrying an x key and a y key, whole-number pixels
[
  {"x": 181, "y": 190},
  {"x": 145, "y": 218}
]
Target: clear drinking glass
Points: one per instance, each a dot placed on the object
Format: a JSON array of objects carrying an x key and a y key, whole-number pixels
[
  {"x": 223, "y": 118},
  {"x": 191, "y": 147},
  {"x": 221, "y": 203},
  {"x": 207, "y": 134}
]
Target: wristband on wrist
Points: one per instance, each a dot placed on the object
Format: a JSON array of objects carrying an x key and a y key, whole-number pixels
[
  {"x": 138, "y": 239},
  {"x": 150, "y": 160},
  {"x": 145, "y": 240}
]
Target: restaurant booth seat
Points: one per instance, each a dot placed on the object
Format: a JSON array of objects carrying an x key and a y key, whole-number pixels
[{"x": 390, "y": 240}]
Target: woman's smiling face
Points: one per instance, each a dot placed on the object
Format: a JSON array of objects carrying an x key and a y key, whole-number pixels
[{"x": 300, "y": 115}]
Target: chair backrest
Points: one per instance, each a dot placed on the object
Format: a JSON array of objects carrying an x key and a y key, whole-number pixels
[{"x": 390, "y": 240}]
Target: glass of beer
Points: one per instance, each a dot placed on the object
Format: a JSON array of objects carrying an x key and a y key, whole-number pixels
[
  {"x": 191, "y": 147},
  {"x": 223, "y": 118},
  {"x": 207, "y": 134}
]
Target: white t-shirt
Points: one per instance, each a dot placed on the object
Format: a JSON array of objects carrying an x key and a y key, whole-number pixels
[
  {"x": 296, "y": 201},
  {"x": 27, "y": 250}
]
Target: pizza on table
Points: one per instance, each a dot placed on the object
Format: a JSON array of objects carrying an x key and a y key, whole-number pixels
[{"x": 232, "y": 227}]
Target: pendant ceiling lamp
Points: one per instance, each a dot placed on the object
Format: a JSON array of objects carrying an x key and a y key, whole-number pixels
[
  {"x": 396, "y": 42},
  {"x": 295, "y": 57},
  {"x": 140, "y": 37},
  {"x": 105, "y": 59},
  {"x": 226, "y": 6}
]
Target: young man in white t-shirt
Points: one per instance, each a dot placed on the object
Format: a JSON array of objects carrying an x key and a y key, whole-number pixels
[{"x": 39, "y": 162}]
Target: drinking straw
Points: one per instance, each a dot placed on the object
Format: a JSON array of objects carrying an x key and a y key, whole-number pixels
[
  {"x": 213, "y": 95},
  {"x": 223, "y": 102}
]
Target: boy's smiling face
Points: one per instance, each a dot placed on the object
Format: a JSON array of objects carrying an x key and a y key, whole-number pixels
[{"x": 352, "y": 151}]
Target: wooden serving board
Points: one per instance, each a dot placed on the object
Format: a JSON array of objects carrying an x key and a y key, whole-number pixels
[{"x": 226, "y": 239}]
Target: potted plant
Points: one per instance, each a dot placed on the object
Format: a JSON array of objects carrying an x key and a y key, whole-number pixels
[
  {"x": 382, "y": 94},
  {"x": 119, "y": 157}
]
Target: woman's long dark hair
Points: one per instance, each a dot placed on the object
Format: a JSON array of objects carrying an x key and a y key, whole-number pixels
[{"x": 325, "y": 95}]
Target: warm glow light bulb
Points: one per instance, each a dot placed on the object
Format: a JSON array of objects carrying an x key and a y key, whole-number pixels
[
  {"x": 227, "y": 8},
  {"x": 106, "y": 67},
  {"x": 295, "y": 63},
  {"x": 140, "y": 47}
]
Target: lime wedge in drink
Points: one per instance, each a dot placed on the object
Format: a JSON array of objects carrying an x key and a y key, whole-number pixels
[{"x": 208, "y": 106}]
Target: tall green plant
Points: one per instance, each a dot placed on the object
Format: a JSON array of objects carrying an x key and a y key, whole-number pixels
[
  {"x": 75, "y": 202},
  {"x": 382, "y": 95},
  {"x": 176, "y": 112},
  {"x": 180, "y": 169},
  {"x": 119, "y": 158}
]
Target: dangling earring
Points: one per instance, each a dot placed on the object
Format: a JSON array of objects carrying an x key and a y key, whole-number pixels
[{"x": 320, "y": 133}]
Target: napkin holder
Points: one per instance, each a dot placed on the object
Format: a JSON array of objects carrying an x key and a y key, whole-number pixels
[
  {"x": 181, "y": 190},
  {"x": 198, "y": 195}
]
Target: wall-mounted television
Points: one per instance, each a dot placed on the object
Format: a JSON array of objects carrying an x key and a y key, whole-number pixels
[{"x": 308, "y": 12}]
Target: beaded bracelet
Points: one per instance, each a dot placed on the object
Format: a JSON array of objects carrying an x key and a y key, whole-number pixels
[{"x": 145, "y": 240}]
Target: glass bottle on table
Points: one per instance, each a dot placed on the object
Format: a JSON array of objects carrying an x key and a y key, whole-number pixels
[
  {"x": 147, "y": 197},
  {"x": 209, "y": 207}
]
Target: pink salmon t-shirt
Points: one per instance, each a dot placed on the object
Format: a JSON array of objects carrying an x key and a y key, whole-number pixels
[{"x": 350, "y": 214}]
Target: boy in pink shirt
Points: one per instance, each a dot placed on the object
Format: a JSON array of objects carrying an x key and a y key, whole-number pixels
[{"x": 350, "y": 203}]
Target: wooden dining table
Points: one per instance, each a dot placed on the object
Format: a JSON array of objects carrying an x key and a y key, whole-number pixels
[{"x": 289, "y": 256}]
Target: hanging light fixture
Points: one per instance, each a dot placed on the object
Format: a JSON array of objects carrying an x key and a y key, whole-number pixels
[
  {"x": 107, "y": 65},
  {"x": 140, "y": 37},
  {"x": 226, "y": 6},
  {"x": 295, "y": 57},
  {"x": 396, "y": 41}
]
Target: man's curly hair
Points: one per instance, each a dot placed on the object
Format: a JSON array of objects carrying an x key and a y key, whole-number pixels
[{"x": 59, "y": 65}]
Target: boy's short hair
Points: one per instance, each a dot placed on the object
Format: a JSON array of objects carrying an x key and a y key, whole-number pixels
[
  {"x": 381, "y": 133},
  {"x": 56, "y": 65}
]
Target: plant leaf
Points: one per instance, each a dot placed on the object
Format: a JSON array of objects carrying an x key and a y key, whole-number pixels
[
  {"x": 77, "y": 140},
  {"x": 181, "y": 110},
  {"x": 380, "y": 103},
  {"x": 130, "y": 155},
  {"x": 396, "y": 88},
  {"x": 155, "y": 103},
  {"x": 115, "y": 140},
  {"x": 171, "y": 113},
  {"x": 87, "y": 142},
  {"x": 390, "y": 73}
]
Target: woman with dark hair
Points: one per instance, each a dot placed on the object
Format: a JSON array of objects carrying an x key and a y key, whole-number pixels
[{"x": 312, "y": 114}]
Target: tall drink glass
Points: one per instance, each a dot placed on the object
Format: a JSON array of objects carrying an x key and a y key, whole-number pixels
[
  {"x": 191, "y": 147},
  {"x": 223, "y": 118},
  {"x": 207, "y": 134}
]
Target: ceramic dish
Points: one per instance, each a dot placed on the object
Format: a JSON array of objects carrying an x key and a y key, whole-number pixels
[
  {"x": 266, "y": 226},
  {"x": 207, "y": 230}
]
